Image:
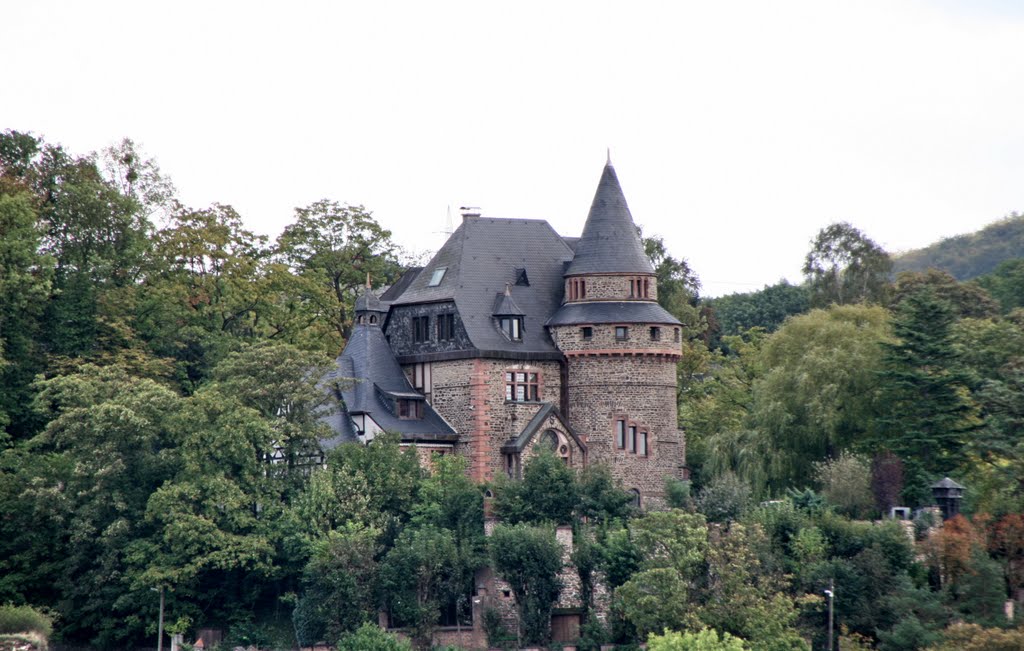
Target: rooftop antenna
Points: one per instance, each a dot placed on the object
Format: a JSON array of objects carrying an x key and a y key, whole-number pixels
[
  {"x": 448, "y": 228},
  {"x": 609, "y": 156},
  {"x": 368, "y": 285}
]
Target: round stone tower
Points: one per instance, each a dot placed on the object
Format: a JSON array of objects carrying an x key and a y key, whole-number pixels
[{"x": 621, "y": 349}]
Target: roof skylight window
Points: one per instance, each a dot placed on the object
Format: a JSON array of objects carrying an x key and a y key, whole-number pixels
[{"x": 438, "y": 274}]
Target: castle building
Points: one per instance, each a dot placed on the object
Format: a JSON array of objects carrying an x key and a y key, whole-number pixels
[{"x": 514, "y": 337}]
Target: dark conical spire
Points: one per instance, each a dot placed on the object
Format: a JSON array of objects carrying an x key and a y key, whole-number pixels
[{"x": 610, "y": 242}]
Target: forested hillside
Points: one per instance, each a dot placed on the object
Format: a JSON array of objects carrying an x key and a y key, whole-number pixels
[
  {"x": 159, "y": 399},
  {"x": 971, "y": 255}
]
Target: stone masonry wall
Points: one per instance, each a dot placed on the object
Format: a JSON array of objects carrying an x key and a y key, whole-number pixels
[
  {"x": 570, "y": 340},
  {"x": 470, "y": 394},
  {"x": 612, "y": 287},
  {"x": 640, "y": 389},
  {"x": 400, "y": 334}
]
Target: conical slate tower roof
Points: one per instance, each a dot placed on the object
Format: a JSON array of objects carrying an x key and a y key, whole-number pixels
[{"x": 610, "y": 242}]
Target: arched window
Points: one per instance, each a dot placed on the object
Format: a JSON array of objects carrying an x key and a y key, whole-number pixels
[{"x": 373, "y": 318}]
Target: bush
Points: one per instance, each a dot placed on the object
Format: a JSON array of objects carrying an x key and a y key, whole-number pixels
[
  {"x": 704, "y": 640},
  {"x": 370, "y": 637},
  {"x": 24, "y": 619},
  {"x": 846, "y": 483},
  {"x": 724, "y": 499}
]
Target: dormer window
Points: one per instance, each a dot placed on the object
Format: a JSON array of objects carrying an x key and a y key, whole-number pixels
[
  {"x": 437, "y": 276},
  {"x": 410, "y": 409},
  {"x": 512, "y": 326}
]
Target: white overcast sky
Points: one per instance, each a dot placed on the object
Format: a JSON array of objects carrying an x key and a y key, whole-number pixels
[{"x": 738, "y": 129}]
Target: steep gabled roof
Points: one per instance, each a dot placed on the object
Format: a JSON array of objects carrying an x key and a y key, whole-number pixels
[
  {"x": 369, "y": 372},
  {"x": 610, "y": 242},
  {"x": 480, "y": 259},
  {"x": 518, "y": 444}
]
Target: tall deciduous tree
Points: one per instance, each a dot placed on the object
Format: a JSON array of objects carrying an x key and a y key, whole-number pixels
[
  {"x": 529, "y": 559},
  {"x": 25, "y": 278},
  {"x": 845, "y": 266},
  {"x": 338, "y": 246},
  {"x": 820, "y": 387}
]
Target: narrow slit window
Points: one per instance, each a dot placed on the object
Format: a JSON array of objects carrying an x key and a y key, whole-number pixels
[{"x": 620, "y": 434}]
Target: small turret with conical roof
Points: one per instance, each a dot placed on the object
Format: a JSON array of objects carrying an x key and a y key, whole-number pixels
[{"x": 370, "y": 310}]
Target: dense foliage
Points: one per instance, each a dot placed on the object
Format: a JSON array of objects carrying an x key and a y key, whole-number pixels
[{"x": 160, "y": 419}]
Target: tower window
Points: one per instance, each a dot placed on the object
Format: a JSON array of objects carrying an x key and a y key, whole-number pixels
[
  {"x": 676, "y": 334},
  {"x": 522, "y": 386},
  {"x": 373, "y": 319},
  {"x": 632, "y": 436},
  {"x": 622, "y": 333},
  {"x": 587, "y": 332},
  {"x": 655, "y": 333},
  {"x": 420, "y": 329}
]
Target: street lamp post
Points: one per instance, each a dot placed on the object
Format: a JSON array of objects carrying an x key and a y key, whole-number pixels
[
  {"x": 160, "y": 623},
  {"x": 831, "y": 594}
]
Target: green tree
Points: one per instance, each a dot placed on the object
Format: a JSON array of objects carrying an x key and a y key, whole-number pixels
[
  {"x": 767, "y": 308},
  {"x": 718, "y": 415},
  {"x": 548, "y": 492},
  {"x": 338, "y": 247},
  {"x": 929, "y": 413},
  {"x": 820, "y": 388},
  {"x": 844, "y": 266},
  {"x": 1006, "y": 284},
  {"x": 968, "y": 299},
  {"x": 110, "y": 433},
  {"x": 846, "y": 483},
  {"x": 703, "y": 640},
  {"x": 671, "y": 546},
  {"x": 25, "y": 278},
  {"x": 529, "y": 558},
  {"x": 678, "y": 285},
  {"x": 420, "y": 575},
  {"x": 339, "y": 584}
]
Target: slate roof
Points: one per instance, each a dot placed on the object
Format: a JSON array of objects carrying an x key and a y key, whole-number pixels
[
  {"x": 368, "y": 358},
  {"x": 369, "y": 302},
  {"x": 400, "y": 286},
  {"x": 610, "y": 242},
  {"x": 481, "y": 258},
  {"x": 505, "y": 305},
  {"x": 612, "y": 312}
]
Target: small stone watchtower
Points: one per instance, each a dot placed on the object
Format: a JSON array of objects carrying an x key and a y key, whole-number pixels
[{"x": 621, "y": 349}]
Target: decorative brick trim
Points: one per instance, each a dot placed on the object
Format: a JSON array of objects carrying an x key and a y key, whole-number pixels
[
  {"x": 625, "y": 352},
  {"x": 480, "y": 422}
]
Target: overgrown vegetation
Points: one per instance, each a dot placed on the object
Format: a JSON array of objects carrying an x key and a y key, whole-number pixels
[{"x": 160, "y": 415}]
